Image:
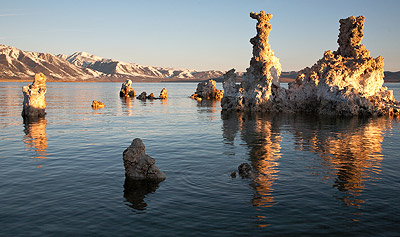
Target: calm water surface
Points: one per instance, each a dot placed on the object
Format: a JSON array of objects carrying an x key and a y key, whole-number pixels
[{"x": 64, "y": 175}]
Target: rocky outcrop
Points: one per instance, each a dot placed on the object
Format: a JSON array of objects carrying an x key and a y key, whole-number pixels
[
  {"x": 97, "y": 104},
  {"x": 126, "y": 89},
  {"x": 261, "y": 78},
  {"x": 207, "y": 90},
  {"x": 245, "y": 171},
  {"x": 34, "y": 104},
  {"x": 139, "y": 165},
  {"x": 144, "y": 96},
  {"x": 163, "y": 94},
  {"x": 345, "y": 82}
]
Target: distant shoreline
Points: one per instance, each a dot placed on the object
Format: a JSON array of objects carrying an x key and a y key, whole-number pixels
[{"x": 163, "y": 80}]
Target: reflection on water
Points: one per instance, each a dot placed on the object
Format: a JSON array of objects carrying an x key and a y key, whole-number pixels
[
  {"x": 136, "y": 190},
  {"x": 350, "y": 150},
  {"x": 262, "y": 137},
  {"x": 164, "y": 102},
  {"x": 208, "y": 107},
  {"x": 127, "y": 105},
  {"x": 35, "y": 136}
]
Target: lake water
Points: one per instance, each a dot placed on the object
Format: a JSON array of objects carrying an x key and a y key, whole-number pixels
[{"x": 64, "y": 175}]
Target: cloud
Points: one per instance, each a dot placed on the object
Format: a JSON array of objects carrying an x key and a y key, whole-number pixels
[{"x": 8, "y": 15}]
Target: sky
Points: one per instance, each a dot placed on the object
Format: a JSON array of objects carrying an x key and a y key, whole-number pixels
[{"x": 194, "y": 34}]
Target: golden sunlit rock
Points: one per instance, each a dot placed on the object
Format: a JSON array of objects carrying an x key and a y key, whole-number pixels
[
  {"x": 126, "y": 89},
  {"x": 97, "y": 104},
  {"x": 207, "y": 90},
  {"x": 255, "y": 91},
  {"x": 345, "y": 82},
  {"x": 34, "y": 104},
  {"x": 163, "y": 94}
]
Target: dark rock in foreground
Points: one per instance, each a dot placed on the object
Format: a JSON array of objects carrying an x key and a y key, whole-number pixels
[{"x": 139, "y": 165}]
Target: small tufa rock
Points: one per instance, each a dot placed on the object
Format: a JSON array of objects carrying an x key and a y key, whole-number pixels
[
  {"x": 233, "y": 174},
  {"x": 245, "y": 170},
  {"x": 34, "y": 104},
  {"x": 139, "y": 165},
  {"x": 142, "y": 96},
  {"x": 207, "y": 90},
  {"x": 163, "y": 93},
  {"x": 97, "y": 104},
  {"x": 126, "y": 89}
]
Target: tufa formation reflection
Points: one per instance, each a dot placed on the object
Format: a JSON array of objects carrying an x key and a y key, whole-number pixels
[
  {"x": 36, "y": 136},
  {"x": 349, "y": 157},
  {"x": 349, "y": 150},
  {"x": 262, "y": 138}
]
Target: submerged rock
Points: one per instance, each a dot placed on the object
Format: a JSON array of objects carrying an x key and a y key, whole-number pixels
[
  {"x": 126, "y": 89},
  {"x": 34, "y": 104},
  {"x": 345, "y": 82},
  {"x": 233, "y": 174},
  {"x": 97, "y": 104},
  {"x": 163, "y": 94},
  {"x": 245, "y": 170},
  {"x": 139, "y": 165},
  {"x": 207, "y": 90}
]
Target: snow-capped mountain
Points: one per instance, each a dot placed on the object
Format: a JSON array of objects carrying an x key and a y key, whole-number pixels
[
  {"x": 16, "y": 63},
  {"x": 123, "y": 69},
  {"x": 81, "y": 59}
]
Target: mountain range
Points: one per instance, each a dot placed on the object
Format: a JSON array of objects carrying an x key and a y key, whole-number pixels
[
  {"x": 19, "y": 64},
  {"x": 82, "y": 66}
]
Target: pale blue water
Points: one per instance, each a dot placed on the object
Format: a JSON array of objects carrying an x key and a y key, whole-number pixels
[{"x": 64, "y": 176}]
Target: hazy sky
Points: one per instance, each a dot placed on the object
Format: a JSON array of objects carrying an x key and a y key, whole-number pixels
[{"x": 201, "y": 35}]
